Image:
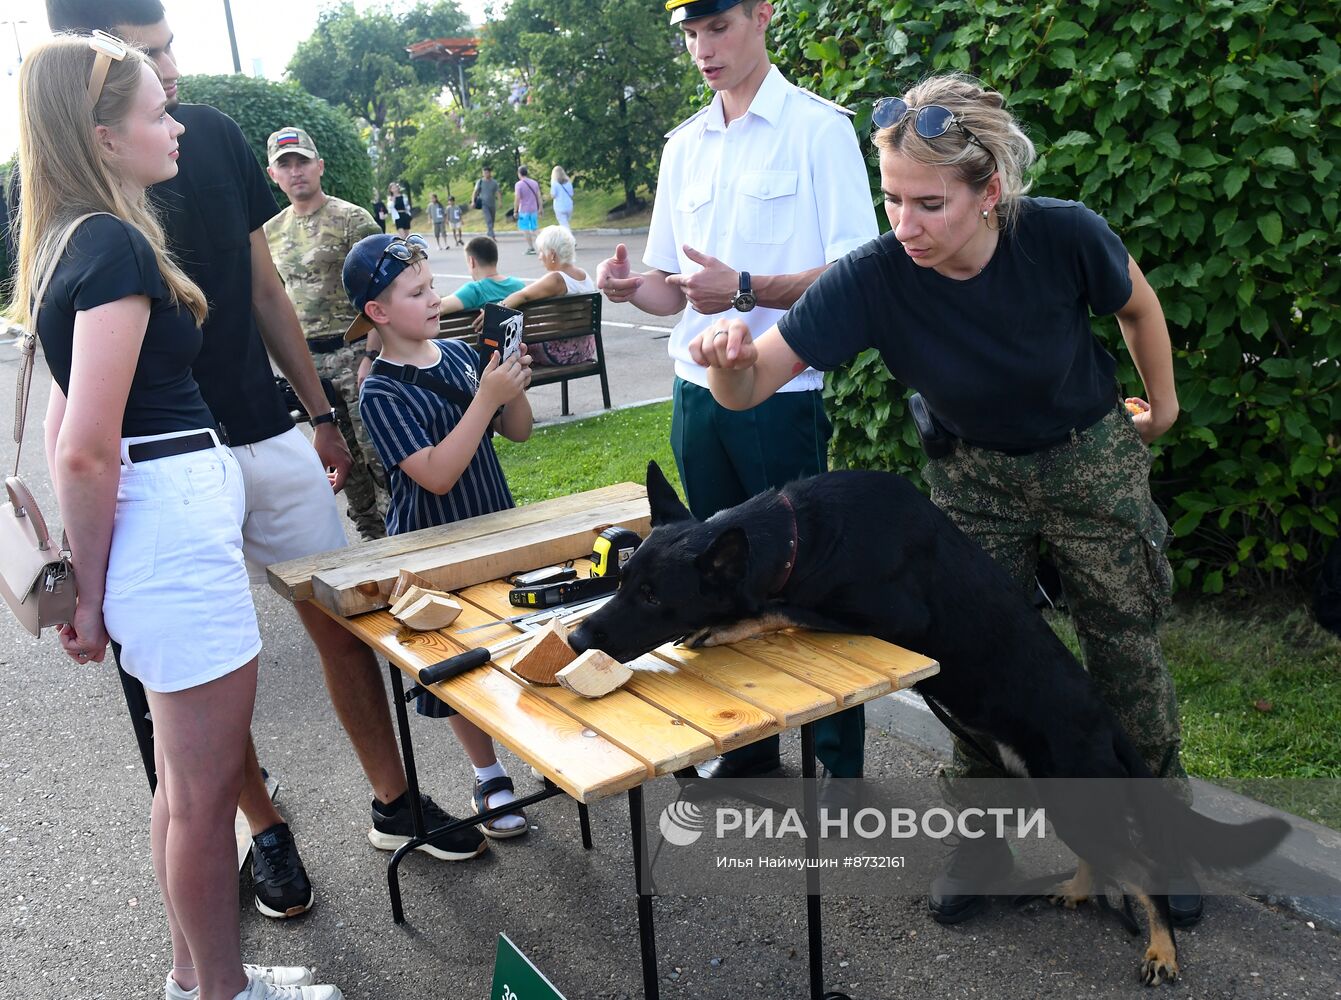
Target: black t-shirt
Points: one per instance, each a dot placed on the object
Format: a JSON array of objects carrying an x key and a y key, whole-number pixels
[
  {"x": 1007, "y": 358},
  {"x": 107, "y": 260},
  {"x": 210, "y": 209}
]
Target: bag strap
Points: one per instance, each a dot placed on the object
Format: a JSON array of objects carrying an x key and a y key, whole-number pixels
[
  {"x": 28, "y": 342},
  {"x": 412, "y": 375}
]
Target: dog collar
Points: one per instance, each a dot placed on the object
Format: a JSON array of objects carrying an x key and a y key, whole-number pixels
[{"x": 791, "y": 545}]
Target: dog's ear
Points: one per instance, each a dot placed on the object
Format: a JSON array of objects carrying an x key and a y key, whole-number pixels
[
  {"x": 661, "y": 497},
  {"x": 723, "y": 563}
]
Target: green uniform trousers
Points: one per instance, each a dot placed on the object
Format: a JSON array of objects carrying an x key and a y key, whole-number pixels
[
  {"x": 365, "y": 486},
  {"x": 1089, "y": 499},
  {"x": 725, "y": 457}
]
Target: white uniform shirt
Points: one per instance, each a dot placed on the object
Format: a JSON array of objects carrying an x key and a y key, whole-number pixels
[{"x": 781, "y": 189}]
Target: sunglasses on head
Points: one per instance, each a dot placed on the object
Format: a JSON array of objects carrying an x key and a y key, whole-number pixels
[
  {"x": 406, "y": 250},
  {"x": 109, "y": 49},
  {"x": 930, "y": 122}
]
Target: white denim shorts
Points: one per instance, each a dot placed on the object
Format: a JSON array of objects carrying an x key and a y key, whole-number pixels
[
  {"x": 177, "y": 598},
  {"x": 291, "y": 511}
]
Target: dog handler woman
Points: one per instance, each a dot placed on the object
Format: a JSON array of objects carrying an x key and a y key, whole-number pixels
[
  {"x": 150, "y": 499},
  {"x": 980, "y": 299}
]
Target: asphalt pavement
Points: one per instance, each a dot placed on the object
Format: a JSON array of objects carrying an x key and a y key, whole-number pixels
[{"x": 84, "y": 919}]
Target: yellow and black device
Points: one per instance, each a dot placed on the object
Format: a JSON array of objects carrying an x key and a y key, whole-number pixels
[{"x": 612, "y": 550}]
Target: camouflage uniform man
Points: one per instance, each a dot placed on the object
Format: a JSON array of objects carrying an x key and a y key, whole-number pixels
[{"x": 308, "y": 241}]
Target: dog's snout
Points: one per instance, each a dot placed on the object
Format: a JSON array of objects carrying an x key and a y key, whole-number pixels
[{"x": 585, "y": 637}]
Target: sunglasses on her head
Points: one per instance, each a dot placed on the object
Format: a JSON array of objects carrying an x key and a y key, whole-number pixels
[
  {"x": 109, "y": 49},
  {"x": 930, "y": 121},
  {"x": 406, "y": 250}
]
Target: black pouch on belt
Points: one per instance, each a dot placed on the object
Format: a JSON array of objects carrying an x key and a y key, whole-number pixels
[{"x": 937, "y": 442}]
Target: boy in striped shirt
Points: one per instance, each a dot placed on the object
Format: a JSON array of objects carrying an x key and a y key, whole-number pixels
[{"x": 434, "y": 442}]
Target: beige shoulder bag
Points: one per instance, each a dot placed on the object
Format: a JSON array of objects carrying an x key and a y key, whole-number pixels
[{"x": 36, "y": 578}]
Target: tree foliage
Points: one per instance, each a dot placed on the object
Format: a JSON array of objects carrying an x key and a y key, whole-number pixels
[
  {"x": 1208, "y": 134},
  {"x": 603, "y": 80},
  {"x": 260, "y": 107},
  {"x": 358, "y": 59}
]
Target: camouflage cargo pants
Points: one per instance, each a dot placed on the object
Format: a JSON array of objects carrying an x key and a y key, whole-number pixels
[
  {"x": 365, "y": 489},
  {"x": 1089, "y": 499}
]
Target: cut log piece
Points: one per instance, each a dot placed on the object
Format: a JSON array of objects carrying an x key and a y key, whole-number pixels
[
  {"x": 405, "y": 580},
  {"x": 430, "y": 612},
  {"x": 412, "y": 594},
  {"x": 544, "y": 655},
  {"x": 594, "y": 674}
]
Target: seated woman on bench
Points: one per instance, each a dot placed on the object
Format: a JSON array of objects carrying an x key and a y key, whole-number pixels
[{"x": 557, "y": 250}]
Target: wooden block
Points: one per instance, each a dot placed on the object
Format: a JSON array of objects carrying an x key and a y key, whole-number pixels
[
  {"x": 293, "y": 580},
  {"x": 364, "y": 584},
  {"x": 541, "y": 659},
  {"x": 594, "y": 674},
  {"x": 412, "y": 593},
  {"x": 429, "y": 613},
  {"x": 405, "y": 580}
]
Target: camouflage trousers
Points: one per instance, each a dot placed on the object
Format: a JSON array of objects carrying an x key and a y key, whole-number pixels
[
  {"x": 365, "y": 488},
  {"x": 1089, "y": 499}
]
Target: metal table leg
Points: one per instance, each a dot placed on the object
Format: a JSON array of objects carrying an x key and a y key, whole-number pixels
[
  {"x": 814, "y": 918},
  {"x": 647, "y": 942},
  {"x": 584, "y": 820}
]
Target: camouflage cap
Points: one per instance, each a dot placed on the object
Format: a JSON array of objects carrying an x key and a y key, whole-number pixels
[{"x": 289, "y": 140}]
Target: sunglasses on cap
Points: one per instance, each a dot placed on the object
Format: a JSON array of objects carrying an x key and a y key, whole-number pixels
[
  {"x": 109, "y": 49},
  {"x": 406, "y": 250},
  {"x": 930, "y": 122}
]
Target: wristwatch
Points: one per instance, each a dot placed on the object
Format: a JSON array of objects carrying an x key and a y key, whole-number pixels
[
  {"x": 372, "y": 355},
  {"x": 744, "y": 300},
  {"x": 322, "y": 418}
]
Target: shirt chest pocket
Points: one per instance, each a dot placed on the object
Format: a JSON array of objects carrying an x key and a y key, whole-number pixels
[
  {"x": 766, "y": 206},
  {"x": 694, "y": 209}
]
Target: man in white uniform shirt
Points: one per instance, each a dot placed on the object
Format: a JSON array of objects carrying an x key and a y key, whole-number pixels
[{"x": 757, "y": 194}]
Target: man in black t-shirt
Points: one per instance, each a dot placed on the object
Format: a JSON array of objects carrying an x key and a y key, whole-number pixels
[{"x": 213, "y": 211}]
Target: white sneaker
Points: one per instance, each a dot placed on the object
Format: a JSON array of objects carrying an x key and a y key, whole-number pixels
[
  {"x": 261, "y": 990},
  {"x": 275, "y": 975}
]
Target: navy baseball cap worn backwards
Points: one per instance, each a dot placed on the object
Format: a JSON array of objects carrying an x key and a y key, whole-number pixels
[{"x": 371, "y": 266}]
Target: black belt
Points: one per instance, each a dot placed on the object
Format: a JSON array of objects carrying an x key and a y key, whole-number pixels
[
  {"x": 147, "y": 451},
  {"x": 326, "y": 345},
  {"x": 1084, "y": 425}
]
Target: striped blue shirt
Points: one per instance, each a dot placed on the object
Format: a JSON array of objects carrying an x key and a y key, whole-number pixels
[{"x": 404, "y": 419}]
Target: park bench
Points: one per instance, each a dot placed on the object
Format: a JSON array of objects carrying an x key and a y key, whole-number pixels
[{"x": 548, "y": 319}]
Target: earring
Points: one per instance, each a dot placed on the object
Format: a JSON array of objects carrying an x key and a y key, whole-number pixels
[{"x": 984, "y": 215}]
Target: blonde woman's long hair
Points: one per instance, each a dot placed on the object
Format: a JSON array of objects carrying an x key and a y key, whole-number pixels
[
  {"x": 63, "y": 173},
  {"x": 558, "y": 175}
]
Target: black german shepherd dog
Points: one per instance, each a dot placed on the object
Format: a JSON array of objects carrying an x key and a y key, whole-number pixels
[{"x": 865, "y": 552}]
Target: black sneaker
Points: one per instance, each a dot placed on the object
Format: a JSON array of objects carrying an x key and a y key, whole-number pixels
[
  {"x": 277, "y": 874},
  {"x": 958, "y": 892},
  {"x": 393, "y": 826}
]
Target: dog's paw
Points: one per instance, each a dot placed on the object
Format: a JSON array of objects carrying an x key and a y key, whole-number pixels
[
  {"x": 712, "y": 635},
  {"x": 1160, "y": 965},
  {"x": 1075, "y": 890}
]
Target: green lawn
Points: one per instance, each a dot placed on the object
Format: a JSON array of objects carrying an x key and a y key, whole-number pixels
[{"x": 1259, "y": 685}]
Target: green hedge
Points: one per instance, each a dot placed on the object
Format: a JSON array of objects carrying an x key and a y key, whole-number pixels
[
  {"x": 260, "y": 107},
  {"x": 1208, "y": 134}
]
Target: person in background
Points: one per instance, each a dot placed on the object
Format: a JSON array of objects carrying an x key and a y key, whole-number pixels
[
  {"x": 454, "y": 214},
  {"x": 485, "y": 197},
  {"x": 437, "y": 214},
  {"x": 139, "y": 470},
  {"x": 557, "y": 251},
  {"x": 561, "y": 194},
  {"x": 528, "y": 203},
  {"x": 379, "y": 210},
  {"x": 485, "y": 284},
  {"x": 399, "y": 203}
]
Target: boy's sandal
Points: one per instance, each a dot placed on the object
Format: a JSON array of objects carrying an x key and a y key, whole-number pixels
[{"x": 478, "y": 802}]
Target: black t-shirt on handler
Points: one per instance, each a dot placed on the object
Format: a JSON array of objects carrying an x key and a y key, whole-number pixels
[
  {"x": 219, "y": 197},
  {"x": 107, "y": 260},
  {"x": 1006, "y": 359}
]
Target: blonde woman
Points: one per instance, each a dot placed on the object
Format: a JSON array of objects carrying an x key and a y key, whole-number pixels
[
  {"x": 151, "y": 501},
  {"x": 979, "y": 297},
  {"x": 561, "y": 194},
  {"x": 557, "y": 250}
]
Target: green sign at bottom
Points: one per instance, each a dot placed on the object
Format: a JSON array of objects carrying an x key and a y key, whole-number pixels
[{"x": 516, "y": 978}]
